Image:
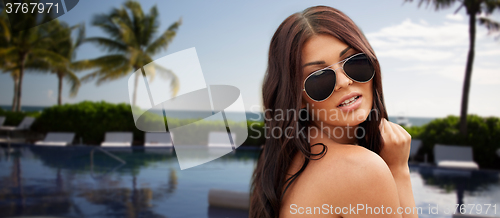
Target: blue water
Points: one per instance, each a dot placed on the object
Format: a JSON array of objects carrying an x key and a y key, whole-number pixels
[
  {"x": 44, "y": 181},
  {"x": 24, "y": 108},
  {"x": 251, "y": 116}
]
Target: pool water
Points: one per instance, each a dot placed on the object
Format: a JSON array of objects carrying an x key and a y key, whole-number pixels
[{"x": 82, "y": 182}]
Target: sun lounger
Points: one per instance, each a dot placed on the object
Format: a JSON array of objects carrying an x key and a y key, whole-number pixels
[
  {"x": 157, "y": 139},
  {"x": 220, "y": 139},
  {"x": 450, "y": 156},
  {"x": 57, "y": 139},
  {"x": 117, "y": 139},
  {"x": 24, "y": 125},
  {"x": 415, "y": 146}
]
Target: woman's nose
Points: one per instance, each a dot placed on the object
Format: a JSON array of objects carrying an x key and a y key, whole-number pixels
[{"x": 342, "y": 79}]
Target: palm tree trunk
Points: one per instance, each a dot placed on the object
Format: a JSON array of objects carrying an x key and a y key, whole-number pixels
[
  {"x": 22, "y": 59},
  {"x": 468, "y": 71},
  {"x": 136, "y": 81},
  {"x": 60, "y": 77},
  {"x": 14, "y": 98}
]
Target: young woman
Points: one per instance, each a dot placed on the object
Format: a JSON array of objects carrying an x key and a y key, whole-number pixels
[{"x": 337, "y": 156}]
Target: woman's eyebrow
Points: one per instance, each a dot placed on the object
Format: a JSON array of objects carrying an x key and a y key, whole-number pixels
[
  {"x": 344, "y": 51},
  {"x": 323, "y": 62}
]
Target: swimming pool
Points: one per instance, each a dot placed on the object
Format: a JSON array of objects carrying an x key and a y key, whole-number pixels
[{"x": 71, "y": 182}]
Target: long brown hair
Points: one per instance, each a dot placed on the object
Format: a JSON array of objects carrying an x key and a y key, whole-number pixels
[{"x": 281, "y": 90}]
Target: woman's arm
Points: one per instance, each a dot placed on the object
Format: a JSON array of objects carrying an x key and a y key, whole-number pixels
[
  {"x": 402, "y": 178},
  {"x": 395, "y": 152}
]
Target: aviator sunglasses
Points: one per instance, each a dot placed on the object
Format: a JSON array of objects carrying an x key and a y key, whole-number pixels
[{"x": 320, "y": 84}]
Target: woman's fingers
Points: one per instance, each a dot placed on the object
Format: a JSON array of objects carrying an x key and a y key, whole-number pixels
[
  {"x": 389, "y": 130},
  {"x": 396, "y": 142},
  {"x": 403, "y": 134}
]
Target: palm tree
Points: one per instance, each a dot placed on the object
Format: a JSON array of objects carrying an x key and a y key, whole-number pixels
[
  {"x": 131, "y": 43},
  {"x": 483, "y": 8},
  {"x": 62, "y": 43},
  {"x": 8, "y": 62},
  {"x": 25, "y": 46}
]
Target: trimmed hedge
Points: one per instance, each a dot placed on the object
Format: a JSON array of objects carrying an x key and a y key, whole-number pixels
[
  {"x": 483, "y": 135},
  {"x": 91, "y": 120}
]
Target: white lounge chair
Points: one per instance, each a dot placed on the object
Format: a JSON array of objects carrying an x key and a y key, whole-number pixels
[
  {"x": 117, "y": 139},
  {"x": 220, "y": 139},
  {"x": 57, "y": 139},
  {"x": 24, "y": 125},
  {"x": 451, "y": 156},
  {"x": 2, "y": 120},
  {"x": 157, "y": 139},
  {"x": 415, "y": 146}
]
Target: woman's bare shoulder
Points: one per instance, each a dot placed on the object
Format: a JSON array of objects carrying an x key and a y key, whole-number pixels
[
  {"x": 352, "y": 172},
  {"x": 346, "y": 175},
  {"x": 342, "y": 158}
]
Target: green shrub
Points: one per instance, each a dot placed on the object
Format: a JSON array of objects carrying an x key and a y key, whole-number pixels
[
  {"x": 91, "y": 120},
  {"x": 483, "y": 135}
]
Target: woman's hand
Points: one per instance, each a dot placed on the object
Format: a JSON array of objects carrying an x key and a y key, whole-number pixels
[{"x": 396, "y": 145}]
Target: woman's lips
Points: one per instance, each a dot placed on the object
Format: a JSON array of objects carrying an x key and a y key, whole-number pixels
[{"x": 352, "y": 106}]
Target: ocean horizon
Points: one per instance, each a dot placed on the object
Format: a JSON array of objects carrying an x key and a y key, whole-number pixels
[{"x": 251, "y": 116}]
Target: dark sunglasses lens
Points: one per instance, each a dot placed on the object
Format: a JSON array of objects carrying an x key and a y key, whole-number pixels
[
  {"x": 359, "y": 68},
  {"x": 321, "y": 84}
]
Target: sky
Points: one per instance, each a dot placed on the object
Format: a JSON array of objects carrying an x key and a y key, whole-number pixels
[{"x": 422, "y": 52}]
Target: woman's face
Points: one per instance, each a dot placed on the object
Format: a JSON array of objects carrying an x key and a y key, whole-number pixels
[{"x": 321, "y": 51}]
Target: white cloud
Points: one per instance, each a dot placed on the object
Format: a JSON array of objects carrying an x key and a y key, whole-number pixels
[
  {"x": 455, "y": 17},
  {"x": 409, "y": 33},
  {"x": 423, "y": 66},
  {"x": 496, "y": 52},
  {"x": 438, "y": 49},
  {"x": 50, "y": 94}
]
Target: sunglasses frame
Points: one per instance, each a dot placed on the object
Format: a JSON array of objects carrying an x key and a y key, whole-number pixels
[{"x": 335, "y": 72}]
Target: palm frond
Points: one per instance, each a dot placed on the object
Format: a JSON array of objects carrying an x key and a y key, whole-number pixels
[
  {"x": 490, "y": 6},
  {"x": 108, "y": 45},
  {"x": 83, "y": 65},
  {"x": 104, "y": 21},
  {"x": 80, "y": 37},
  {"x": 151, "y": 26},
  {"x": 491, "y": 25},
  {"x": 164, "y": 40},
  {"x": 110, "y": 66},
  {"x": 5, "y": 27},
  {"x": 127, "y": 34},
  {"x": 8, "y": 51},
  {"x": 168, "y": 74},
  {"x": 114, "y": 74},
  {"x": 50, "y": 57},
  {"x": 74, "y": 81}
]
